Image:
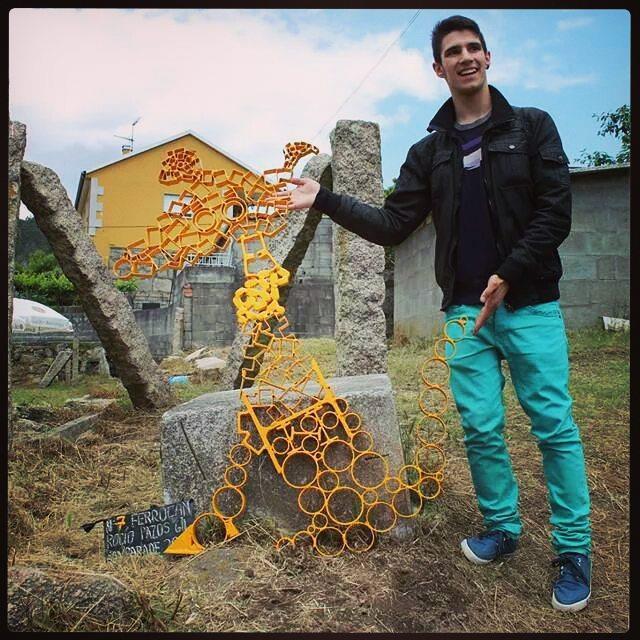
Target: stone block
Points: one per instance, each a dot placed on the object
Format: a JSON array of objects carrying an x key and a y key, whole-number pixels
[
  {"x": 75, "y": 428},
  {"x": 91, "y": 404},
  {"x": 197, "y": 436},
  {"x": 360, "y": 328},
  {"x": 95, "y": 599}
]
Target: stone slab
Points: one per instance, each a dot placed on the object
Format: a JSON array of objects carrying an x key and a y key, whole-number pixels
[
  {"x": 210, "y": 362},
  {"x": 75, "y": 428},
  {"x": 56, "y": 367},
  {"x": 196, "y": 354},
  {"x": 91, "y": 404},
  {"x": 34, "y": 592},
  {"x": 197, "y": 436}
]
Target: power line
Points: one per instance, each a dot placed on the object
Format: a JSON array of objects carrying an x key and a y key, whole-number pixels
[{"x": 415, "y": 15}]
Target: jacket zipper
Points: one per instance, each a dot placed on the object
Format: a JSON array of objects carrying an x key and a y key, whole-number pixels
[
  {"x": 457, "y": 175},
  {"x": 486, "y": 170}
]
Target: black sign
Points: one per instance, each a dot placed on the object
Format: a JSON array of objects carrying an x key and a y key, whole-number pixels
[{"x": 150, "y": 531}]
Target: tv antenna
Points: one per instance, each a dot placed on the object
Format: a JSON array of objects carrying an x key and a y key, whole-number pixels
[{"x": 128, "y": 148}]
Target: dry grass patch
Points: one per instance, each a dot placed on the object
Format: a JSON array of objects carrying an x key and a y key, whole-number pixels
[{"x": 420, "y": 585}]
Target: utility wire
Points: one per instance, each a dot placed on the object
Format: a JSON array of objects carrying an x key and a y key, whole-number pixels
[{"x": 415, "y": 15}]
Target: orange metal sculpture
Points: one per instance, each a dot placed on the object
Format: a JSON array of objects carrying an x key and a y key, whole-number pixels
[{"x": 318, "y": 446}]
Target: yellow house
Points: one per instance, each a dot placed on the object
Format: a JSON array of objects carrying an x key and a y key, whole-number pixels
[{"x": 118, "y": 200}]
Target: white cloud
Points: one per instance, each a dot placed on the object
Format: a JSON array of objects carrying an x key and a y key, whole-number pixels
[
  {"x": 530, "y": 67},
  {"x": 574, "y": 23},
  {"x": 246, "y": 80}
]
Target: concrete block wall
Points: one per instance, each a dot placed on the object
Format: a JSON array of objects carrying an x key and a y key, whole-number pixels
[
  {"x": 595, "y": 260},
  {"x": 417, "y": 297},
  {"x": 317, "y": 261},
  {"x": 156, "y": 324},
  {"x": 595, "y": 256},
  {"x": 212, "y": 310}
]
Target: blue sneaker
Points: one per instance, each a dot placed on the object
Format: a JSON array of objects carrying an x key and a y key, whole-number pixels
[
  {"x": 488, "y": 546},
  {"x": 572, "y": 590}
]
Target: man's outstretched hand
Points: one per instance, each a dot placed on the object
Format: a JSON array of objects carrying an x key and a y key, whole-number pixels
[
  {"x": 302, "y": 197},
  {"x": 491, "y": 297}
]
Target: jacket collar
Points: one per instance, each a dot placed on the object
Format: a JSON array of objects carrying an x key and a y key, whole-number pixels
[{"x": 501, "y": 111}]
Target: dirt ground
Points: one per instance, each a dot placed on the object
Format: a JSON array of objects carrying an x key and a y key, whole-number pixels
[{"x": 423, "y": 584}]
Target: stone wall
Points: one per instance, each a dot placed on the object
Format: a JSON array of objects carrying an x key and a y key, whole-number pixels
[
  {"x": 33, "y": 354},
  {"x": 595, "y": 259},
  {"x": 156, "y": 325}
]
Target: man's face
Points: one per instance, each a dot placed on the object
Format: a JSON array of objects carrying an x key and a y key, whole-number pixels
[{"x": 464, "y": 63}]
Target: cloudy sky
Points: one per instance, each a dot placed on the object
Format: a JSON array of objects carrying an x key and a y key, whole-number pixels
[{"x": 251, "y": 80}]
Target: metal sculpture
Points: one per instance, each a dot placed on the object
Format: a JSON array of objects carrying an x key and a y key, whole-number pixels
[{"x": 316, "y": 444}]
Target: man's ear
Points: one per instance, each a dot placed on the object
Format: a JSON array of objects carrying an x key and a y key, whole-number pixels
[
  {"x": 487, "y": 57},
  {"x": 439, "y": 71}
]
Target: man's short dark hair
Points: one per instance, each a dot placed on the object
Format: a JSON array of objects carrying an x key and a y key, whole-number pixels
[{"x": 453, "y": 23}]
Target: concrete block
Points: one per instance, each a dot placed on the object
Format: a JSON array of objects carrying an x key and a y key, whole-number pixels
[
  {"x": 606, "y": 267},
  {"x": 573, "y": 292},
  {"x": 577, "y": 243},
  {"x": 579, "y": 267},
  {"x": 622, "y": 267},
  {"x": 197, "y": 436},
  {"x": 209, "y": 363},
  {"x": 610, "y": 293}
]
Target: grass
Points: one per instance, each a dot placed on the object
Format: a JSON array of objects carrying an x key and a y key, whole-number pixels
[{"x": 423, "y": 585}]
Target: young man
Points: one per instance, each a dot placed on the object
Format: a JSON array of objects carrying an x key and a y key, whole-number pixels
[{"x": 496, "y": 181}]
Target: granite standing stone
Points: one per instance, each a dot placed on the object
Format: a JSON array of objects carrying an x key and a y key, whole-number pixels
[
  {"x": 358, "y": 265},
  {"x": 107, "y": 308},
  {"x": 17, "y": 144}
]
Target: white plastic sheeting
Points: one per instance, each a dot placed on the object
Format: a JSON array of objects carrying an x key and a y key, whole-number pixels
[{"x": 33, "y": 317}]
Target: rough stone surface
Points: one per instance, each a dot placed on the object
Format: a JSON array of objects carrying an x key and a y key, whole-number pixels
[
  {"x": 17, "y": 144},
  {"x": 41, "y": 599},
  {"x": 358, "y": 265},
  {"x": 73, "y": 429},
  {"x": 178, "y": 330},
  {"x": 105, "y": 306},
  {"x": 97, "y": 355},
  {"x": 91, "y": 404},
  {"x": 196, "y": 354},
  {"x": 209, "y": 424},
  {"x": 56, "y": 366},
  {"x": 289, "y": 249},
  {"x": 209, "y": 363}
]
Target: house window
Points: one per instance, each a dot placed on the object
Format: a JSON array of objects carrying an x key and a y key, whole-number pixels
[{"x": 168, "y": 198}]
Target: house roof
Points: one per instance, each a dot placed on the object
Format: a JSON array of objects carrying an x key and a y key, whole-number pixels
[
  {"x": 244, "y": 165},
  {"x": 176, "y": 137}
]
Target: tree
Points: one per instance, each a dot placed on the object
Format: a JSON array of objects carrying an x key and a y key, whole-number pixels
[
  {"x": 618, "y": 124},
  {"x": 42, "y": 280},
  {"x": 28, "y": 239}
]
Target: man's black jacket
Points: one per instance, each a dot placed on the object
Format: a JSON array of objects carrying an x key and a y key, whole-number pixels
[{"x": 527, "y": 183}]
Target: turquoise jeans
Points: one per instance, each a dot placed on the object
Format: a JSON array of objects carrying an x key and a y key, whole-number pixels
[{"x": 533, "y": 342}]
